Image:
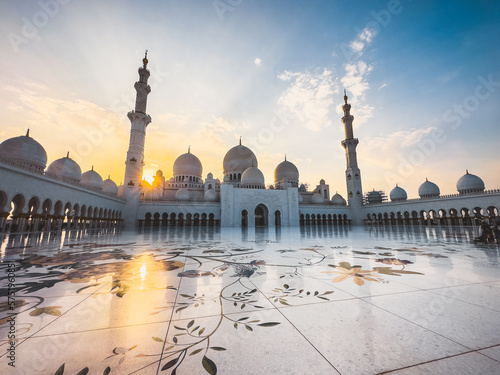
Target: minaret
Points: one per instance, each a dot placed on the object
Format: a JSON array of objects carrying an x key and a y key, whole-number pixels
[
  {"x": 139, "y": 120},
  {"x": 352, "y": 173}
]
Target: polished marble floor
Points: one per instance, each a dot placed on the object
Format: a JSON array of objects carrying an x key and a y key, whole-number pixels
[{"x": 318, "y": 300}]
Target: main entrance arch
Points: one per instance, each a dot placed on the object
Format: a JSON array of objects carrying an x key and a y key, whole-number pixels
[{"x": 261, "y": 216}]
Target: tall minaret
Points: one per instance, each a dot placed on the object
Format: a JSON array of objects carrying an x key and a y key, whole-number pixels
[
  {"x": 352, "y": 173},
  {"x": 139, "y": 120}
]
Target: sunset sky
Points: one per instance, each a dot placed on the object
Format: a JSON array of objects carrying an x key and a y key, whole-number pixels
[{"x": 423, "y": 78}]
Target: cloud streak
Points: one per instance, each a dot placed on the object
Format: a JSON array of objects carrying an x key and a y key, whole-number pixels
[
  {"x": 355, "y": 79},
  {"x": 309, "y": 97}
]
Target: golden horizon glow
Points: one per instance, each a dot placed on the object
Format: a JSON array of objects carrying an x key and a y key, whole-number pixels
[{"x": 148, "y": 177}]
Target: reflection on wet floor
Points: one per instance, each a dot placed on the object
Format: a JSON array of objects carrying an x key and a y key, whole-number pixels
[{"x": 316, "y": 299}]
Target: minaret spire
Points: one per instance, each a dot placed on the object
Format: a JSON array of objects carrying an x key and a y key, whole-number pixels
[
  {"x": 139, "y": 120},
  {"x": 353, "y": 174},
  {"x": 145, "y": 60}
]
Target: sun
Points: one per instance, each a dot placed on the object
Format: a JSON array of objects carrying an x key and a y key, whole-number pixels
[{"x": 148, "y": 177}]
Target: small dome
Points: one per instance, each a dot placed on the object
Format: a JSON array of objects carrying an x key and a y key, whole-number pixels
[
  {"x": 24, "y": 152},
  {"x": 374, "y": 197},
  {"x": 301, "y": 199},
  {"x": 211, "y": 195},
  {"x": 109, "y": 186},
  {"x": 159, "y": 173},
  {"x": 470, "y": 183},
  {"x": 428, "y": 190},
  {"x": 338, "y": 200},
  {"x": 188, "y": 165},
  {"x": 65, "y": 169},
  {"x": 183, "y": 194},
  {"x": 322, "y": 182},
  {"x": 238, "y": 159},
  {"x": 253, "y": 178},
  {"x": 286, "y": 171},
  {"x": 398, "y": 194},
  {"x": 92, "y": 180},
  {"x": 210, "y": 176},
  {"x": 317, "y": 198}
]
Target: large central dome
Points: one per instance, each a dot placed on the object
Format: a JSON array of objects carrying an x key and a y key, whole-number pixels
[
  {"x": 238, "y": 159},
  {"x": 188, "y": 165}
]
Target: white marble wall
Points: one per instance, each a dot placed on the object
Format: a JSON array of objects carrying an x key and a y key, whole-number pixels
[
  {"x": 235, "y": 200},
  {"x": 15, "y": 181}
]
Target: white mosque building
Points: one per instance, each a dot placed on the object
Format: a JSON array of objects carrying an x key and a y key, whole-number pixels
[{"x": 37, "y": 197}]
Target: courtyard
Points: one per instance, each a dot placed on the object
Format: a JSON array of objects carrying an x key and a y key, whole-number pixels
[{"x": 201, "y": 300}]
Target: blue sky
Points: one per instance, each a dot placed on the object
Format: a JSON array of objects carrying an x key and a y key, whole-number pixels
[{"x": 423, "y": 79}]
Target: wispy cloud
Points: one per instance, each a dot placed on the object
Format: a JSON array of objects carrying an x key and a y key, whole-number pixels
[
  {"x": 309, "y": 98},
  {"x": 356, "y": 82},
  {"x": 355, "y": 79},
  {"x": 364, "y": 38},
  {"x": 382, "y": 86}
]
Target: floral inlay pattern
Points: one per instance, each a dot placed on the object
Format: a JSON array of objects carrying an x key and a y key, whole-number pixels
[{"x": 232, "y": 294}]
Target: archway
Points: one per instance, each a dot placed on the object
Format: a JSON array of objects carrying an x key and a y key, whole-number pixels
[
  {"x": 156, "y": 219},
  {"x": 277, "y": 218},
  {"x": 261, "y": 216},
  {"x": 244, "y": 218},
  {"x": 147, "y": 221}
]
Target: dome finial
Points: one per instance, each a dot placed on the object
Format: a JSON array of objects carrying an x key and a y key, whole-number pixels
[
  {"x": 109, "y": 177},
  {"x": 240, "y": 140},
  {"x": 397, "y": 184},
  {"x": 189, "y": 149},
  {"x": 466, "y": 171},
  {"x": 426, "y": 180},
  {"x": 28, "y": 133},
  {"x": 285, "y": 157},
  {"x": 92, "y": 168},
  {"x": 145, "y": 60},
  {"x": 67, "y": 155},
  {"x": 345, "y": 97}
]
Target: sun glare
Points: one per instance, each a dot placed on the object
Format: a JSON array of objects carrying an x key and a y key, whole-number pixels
[{"x": 148, "y": 178}]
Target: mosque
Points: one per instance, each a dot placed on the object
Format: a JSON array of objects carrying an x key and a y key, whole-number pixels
[{"x": 34, "y": 197}]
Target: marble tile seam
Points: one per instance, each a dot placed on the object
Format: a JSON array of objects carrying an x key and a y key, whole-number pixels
[
  {"x": 171, "y": 315},
  {"x": 60, "y": 316},
  {"x": 100, "y": 329},
  {"x": 440, "y": 359},
  {"x": 464, "y": 300},
  {"x": 300, "y": 332}
]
